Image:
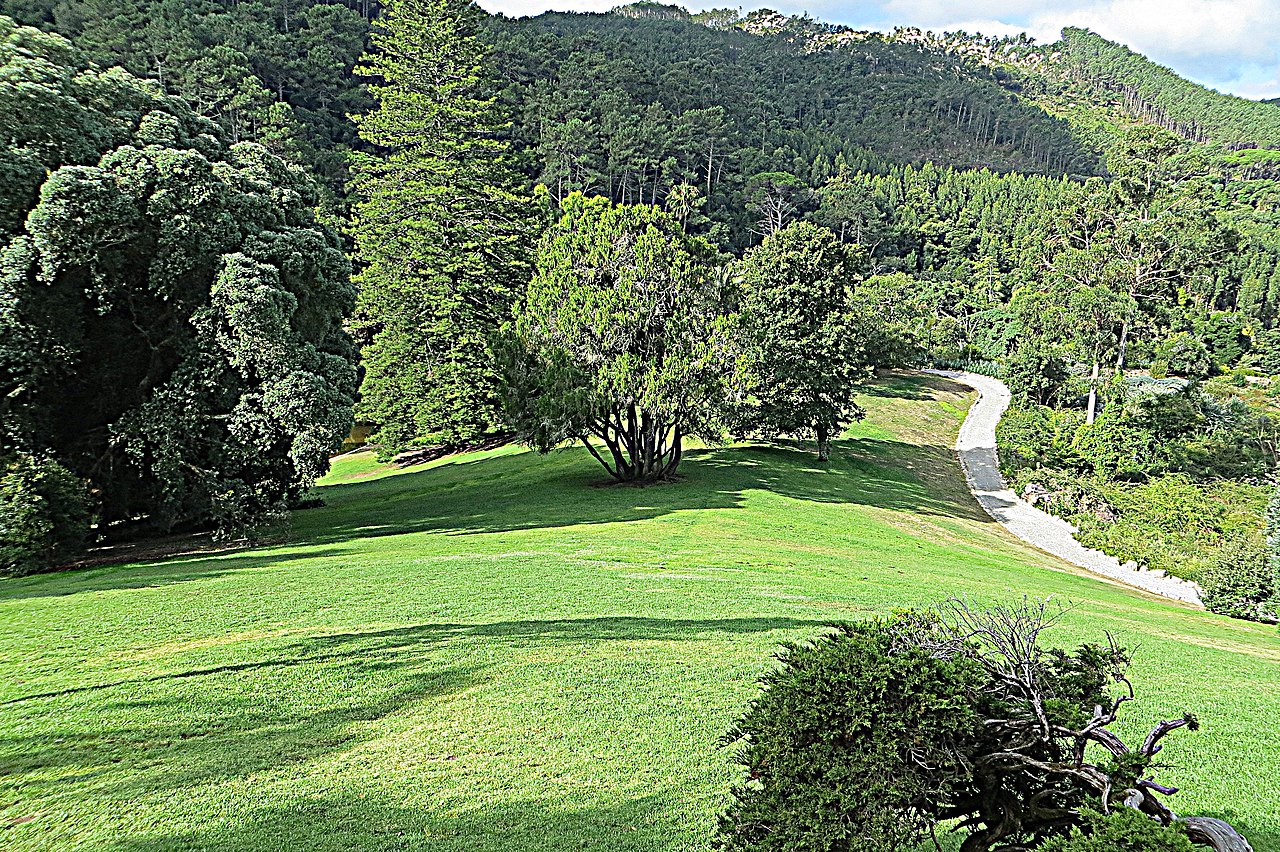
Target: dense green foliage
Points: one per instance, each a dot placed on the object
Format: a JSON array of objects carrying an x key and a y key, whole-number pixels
[
  {"x": 1122, "y": 830},
  {"x": 858, "y": 742},
  {"x": 629, "y": 107},
  {"x": 277, "y": 72},
  {"x": 172, "y": 310},
  {"x": 868, "y": 739},
  {"x": 1241, "y": 582},
  {"x": 440, "y": 230},
  {"x": 804, "y": 336},
  {"x": 622, "y": 337},
  {"x": 44, "y": 514},
  {"x": 1152, "y": 93}
]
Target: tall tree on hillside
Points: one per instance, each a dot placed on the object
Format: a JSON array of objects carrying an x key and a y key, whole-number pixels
[
  {"x": 1133, "y": 248},
  {"x": 439, "y": 227},
  {"x": 805, "y": 350}
]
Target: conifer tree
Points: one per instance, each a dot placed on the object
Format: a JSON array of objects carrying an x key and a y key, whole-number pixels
[{"x": 439, "y": 228}]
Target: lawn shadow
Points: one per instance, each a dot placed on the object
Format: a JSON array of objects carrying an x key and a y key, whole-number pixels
[
  {"x": 297, "y": 703},
  {"x": 529, "y": 492},
  {"x": 374, "y": 823},
  {"x": 147, "y": 575},
  {"x": 901, "y": 384}
]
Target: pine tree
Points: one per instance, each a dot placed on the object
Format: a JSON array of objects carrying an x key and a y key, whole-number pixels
[{"x": 439, "y": 227}]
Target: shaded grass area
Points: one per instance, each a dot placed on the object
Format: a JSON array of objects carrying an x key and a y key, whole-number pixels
[{"x": 495, "y": 652}]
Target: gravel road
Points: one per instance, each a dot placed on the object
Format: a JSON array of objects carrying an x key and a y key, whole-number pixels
[{"x": 976, "y": 447}]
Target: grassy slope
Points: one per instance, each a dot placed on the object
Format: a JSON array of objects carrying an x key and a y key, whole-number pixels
[{"x": 490, "y": 653}]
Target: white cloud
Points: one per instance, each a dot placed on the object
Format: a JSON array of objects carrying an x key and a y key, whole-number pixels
[{"x": 1211, "y": 40}]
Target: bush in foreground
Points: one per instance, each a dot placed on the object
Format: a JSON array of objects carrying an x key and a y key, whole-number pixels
[
  {"x": 1123, "y": 830},
  {"x": 868, "y": 738}
]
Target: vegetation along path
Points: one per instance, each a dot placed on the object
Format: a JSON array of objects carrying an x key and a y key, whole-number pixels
[{"x": 976, "y": 447}]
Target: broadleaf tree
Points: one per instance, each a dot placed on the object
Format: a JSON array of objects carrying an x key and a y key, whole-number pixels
[
  {"x": 806, "y": 347},
  {"x": 172, "y": 309},
  {"x": 622, "y": 339}
]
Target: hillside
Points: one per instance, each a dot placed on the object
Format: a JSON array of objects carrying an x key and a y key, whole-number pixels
[
  {"x": 626, "y": 106},
  {"x": 1154, "y": 94},
  {"x": 489, "y": 653}
]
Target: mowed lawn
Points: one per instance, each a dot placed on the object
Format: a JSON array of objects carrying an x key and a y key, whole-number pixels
[{"x": 494, "y": 652}]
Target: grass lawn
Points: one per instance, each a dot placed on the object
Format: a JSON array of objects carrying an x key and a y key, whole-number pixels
[{"x": 492, "y": 652}]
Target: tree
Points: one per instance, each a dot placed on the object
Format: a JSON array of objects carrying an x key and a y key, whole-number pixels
[
  {"x": 622, "y": 337},
  {"x": 776, "y": 198},
  {"x": 439, "y": 227},
  {"x": 172, "y": 313},
  {"x": 805, "y": 347}
]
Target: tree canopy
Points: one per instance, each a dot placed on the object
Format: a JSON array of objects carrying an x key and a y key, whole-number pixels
[
  {"x": 172, "y": 309},
  {"x": 440, "y": 229},
  {"x": 622, "y": 337}
]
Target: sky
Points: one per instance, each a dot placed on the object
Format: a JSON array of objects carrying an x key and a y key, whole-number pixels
[{"x": 1230, "y": 45}]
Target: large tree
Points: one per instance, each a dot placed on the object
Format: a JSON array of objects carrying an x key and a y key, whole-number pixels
[
  {"x": 439, "y": 226},
  {"x": 172, "y": 311},
  {"x": 621, "y": 339},
  {"x": 806, "y": 349}
]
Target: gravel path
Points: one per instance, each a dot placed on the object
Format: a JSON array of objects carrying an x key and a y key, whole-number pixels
[{"x": 976, "y": 447}]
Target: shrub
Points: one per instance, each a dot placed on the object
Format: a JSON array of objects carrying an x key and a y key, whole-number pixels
[
  {"x": 1123, "y": 830},
  {"x": 854, "y": 744},
  {"x": 1184, "y": 355},
  {"x": 1037, "y": 437},
  {"x": 1241, "y": 581},
  {"x": 44, "y": 515},
  {"x": 866, "y": 739}
]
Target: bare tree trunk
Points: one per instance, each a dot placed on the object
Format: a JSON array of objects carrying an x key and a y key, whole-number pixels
[
  {"x": 1216, "y": 834},
  {"x": 1124, "y": 344},
  {"x": 1093, "y": 392},
  {"x": 824, "y": 443}
]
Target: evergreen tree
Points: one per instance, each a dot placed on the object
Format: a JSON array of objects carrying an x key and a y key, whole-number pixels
[
  {"x": 806, "y": 349},
  {"x": 439, "y": 229},
  {"x": 621, "y": 340}
]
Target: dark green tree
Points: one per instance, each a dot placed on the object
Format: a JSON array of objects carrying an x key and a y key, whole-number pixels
[
  {"x": 439, "y": 226},
  {"x": 622, "y": 338},
  {"x": 172, "y": 313},
  {"x": 806, "y": 349}
]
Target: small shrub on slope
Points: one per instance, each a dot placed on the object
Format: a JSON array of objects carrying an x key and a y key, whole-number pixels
[{"x": 1241, "y": 582}]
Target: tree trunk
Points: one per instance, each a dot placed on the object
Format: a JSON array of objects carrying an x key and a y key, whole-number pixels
[
  {"x": 1124, "y": 344},
  {"x": 824, "y": 443},
  {"x": 1093, "y": 393},
  {"x": 1216, "y": 834}
]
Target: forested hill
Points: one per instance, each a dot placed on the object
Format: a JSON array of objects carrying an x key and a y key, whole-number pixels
[
  {"x": 618, "y": 101},
  {"x": 636, "y": 101},
  {"x": 1154, "y": 94}
]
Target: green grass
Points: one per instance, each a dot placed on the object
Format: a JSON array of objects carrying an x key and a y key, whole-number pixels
[{"x": 493, "y": 652}]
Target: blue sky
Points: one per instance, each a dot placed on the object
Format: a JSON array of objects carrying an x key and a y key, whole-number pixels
[{"x": 1230, "y": 45}]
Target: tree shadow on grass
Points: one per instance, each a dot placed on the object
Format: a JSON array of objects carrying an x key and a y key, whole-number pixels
[
  {"x": 529, "y": 492},
  {"x": 899, "y": 384},
  {"x": 371, "y": 823},
  {"x": 153, "y": 574},
  {"x": 299, "y": 702}
]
